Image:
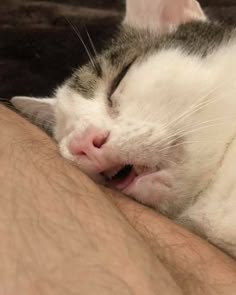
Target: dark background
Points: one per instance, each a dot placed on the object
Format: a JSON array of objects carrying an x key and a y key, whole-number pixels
[{"x": 38, "y": 47}]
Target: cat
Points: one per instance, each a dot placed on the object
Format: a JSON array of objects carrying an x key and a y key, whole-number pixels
[{"x": 154, "y": 116}]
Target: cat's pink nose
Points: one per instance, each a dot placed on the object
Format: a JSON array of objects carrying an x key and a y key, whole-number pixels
[{"x": 89, "y": 143}]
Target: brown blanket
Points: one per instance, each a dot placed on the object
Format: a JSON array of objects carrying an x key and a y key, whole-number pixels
[{"x": 38, "y": 47}]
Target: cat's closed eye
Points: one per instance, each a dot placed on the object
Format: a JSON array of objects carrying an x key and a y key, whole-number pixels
[{"x": 116, "y": 82}]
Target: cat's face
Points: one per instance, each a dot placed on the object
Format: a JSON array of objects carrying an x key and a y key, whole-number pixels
[
  {"x": 125, "y": 117},
  {"x": 124, "y": 120}
]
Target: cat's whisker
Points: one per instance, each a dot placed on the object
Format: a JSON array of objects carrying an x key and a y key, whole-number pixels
[
  {"x": 190, "y": 111},
  {"x": 170, "y": 143},
  {"x": 187, "y": 142},
  {"x": 168, "y": 140},
  {"x": 183, "y": 132},
  {"x": 197, "y": 106},
  {"x": 76, "y": 30},
  {"x": 96, "y": 61},
  {"x": 167, "y": 160},
  {"x": 91, "y": 43}
]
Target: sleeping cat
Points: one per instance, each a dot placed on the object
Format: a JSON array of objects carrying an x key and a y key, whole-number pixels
[{"x": 154, "y": 116}]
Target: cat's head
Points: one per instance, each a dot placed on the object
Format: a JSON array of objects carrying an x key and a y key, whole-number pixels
[{"x": 123, "y": 117}]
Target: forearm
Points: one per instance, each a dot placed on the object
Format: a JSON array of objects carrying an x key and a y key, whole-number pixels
[
  {"x": 59, "y": 232},
  {"x": 197, "y": 266}
]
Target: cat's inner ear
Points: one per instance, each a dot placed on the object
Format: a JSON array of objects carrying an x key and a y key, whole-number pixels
[
  {"x": 39, "y": 110},
  {"x": 162, "y": 16}
]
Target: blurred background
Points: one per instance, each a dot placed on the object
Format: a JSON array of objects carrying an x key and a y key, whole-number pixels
[{"x": 39, "y": 49}]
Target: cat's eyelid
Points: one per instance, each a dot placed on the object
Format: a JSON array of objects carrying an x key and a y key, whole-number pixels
[{"x": 116, "y": 82}]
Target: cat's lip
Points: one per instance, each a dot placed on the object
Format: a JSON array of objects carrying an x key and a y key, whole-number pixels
[
  {"x": 123, "y": 183},
  {"x": 128, "y": 188},
  {"x": 120, "y": 177}
]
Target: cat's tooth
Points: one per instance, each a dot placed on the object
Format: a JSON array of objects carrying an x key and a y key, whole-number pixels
[{"x": 111, "y": 173}]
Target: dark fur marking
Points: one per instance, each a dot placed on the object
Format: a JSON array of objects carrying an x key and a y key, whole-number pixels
[{"x": 195, "y": 38}]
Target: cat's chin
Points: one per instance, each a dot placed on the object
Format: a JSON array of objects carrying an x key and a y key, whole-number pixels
[{"x": 150, "y": 188}]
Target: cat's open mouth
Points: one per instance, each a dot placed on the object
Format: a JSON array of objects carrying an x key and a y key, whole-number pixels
[
  {"x": 120, "y": 177},
  {"x": 123, "y": 176}
]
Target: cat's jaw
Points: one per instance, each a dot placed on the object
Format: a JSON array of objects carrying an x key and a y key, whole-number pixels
[{"x": 152, "y": 188}]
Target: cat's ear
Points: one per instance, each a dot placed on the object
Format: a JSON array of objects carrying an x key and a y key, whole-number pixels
[
  {"x": 162, "y": 16},
  {"x": 39, "y": 110}
]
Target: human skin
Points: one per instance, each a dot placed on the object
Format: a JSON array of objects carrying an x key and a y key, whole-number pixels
[
  {"x": 62, "y": 234},
  {"x": 197, "y": 266}
]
